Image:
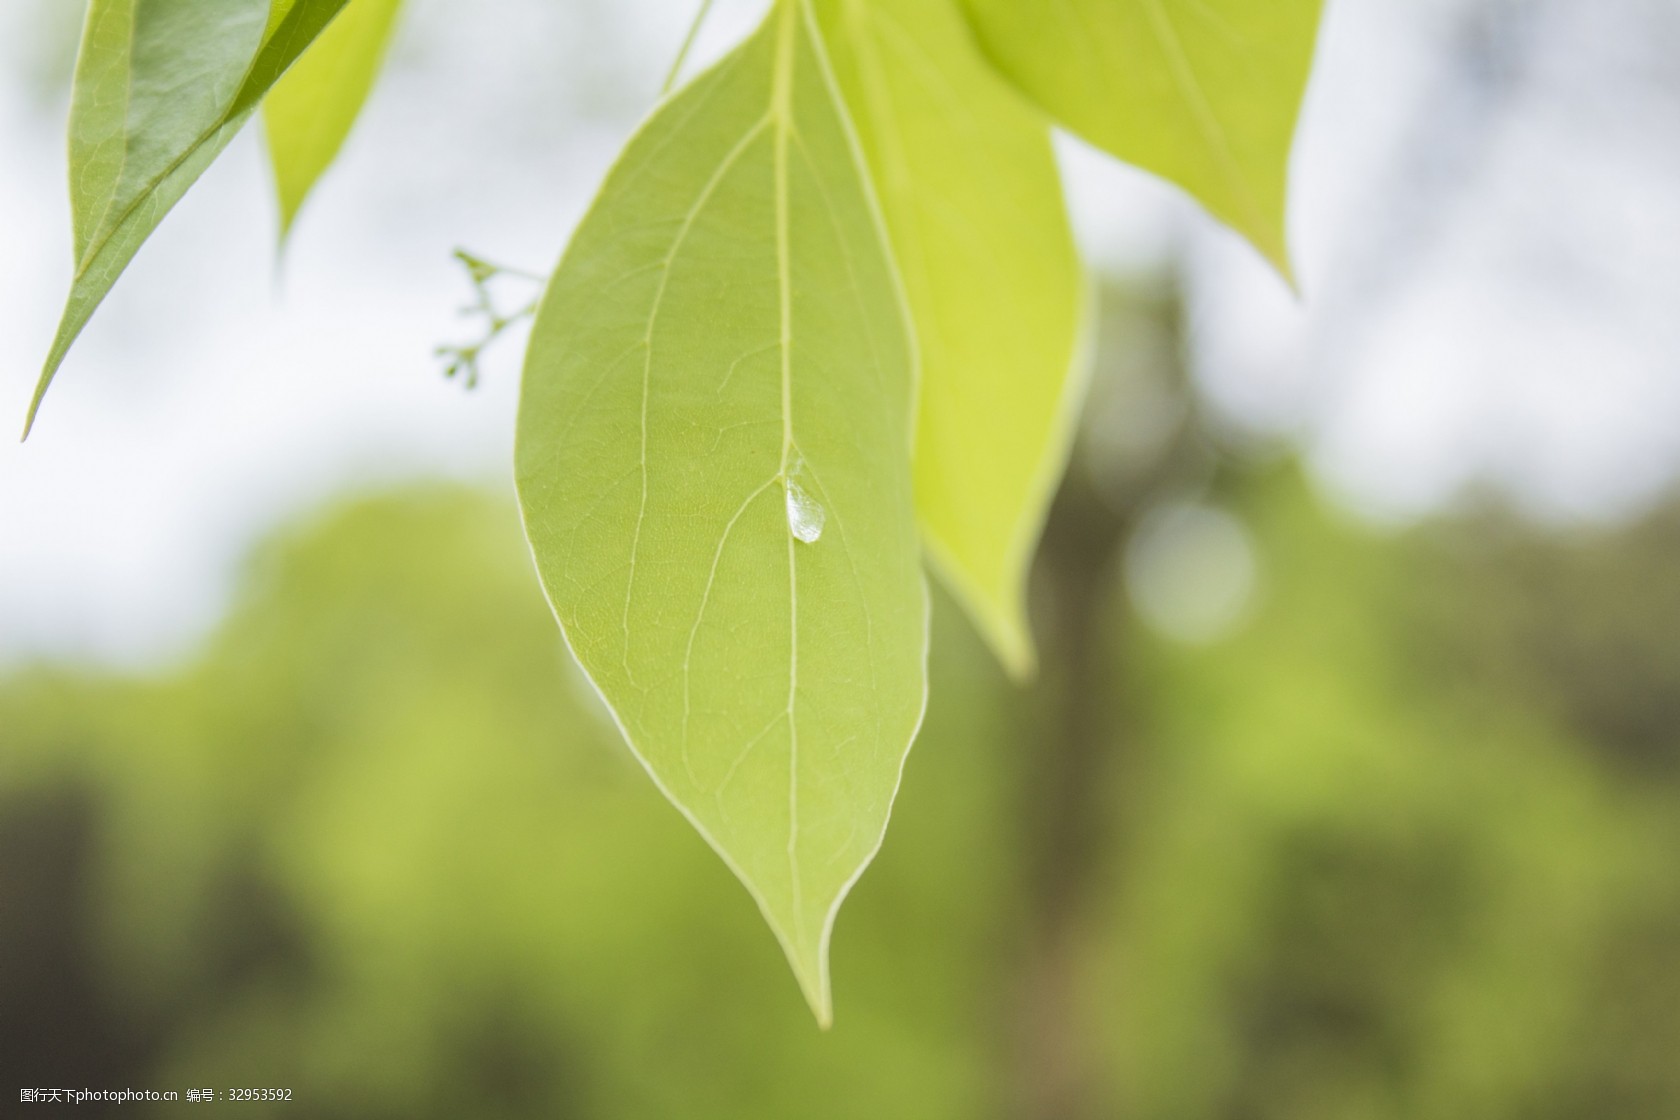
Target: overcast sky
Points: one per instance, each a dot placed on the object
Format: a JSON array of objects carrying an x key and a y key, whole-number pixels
[{"x": 1486, "y": 220}]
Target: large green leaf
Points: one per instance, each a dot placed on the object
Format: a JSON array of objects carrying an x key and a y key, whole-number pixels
[
  {"x": 161, "y": 87},
  {"x": 1202, "y": 92},
  {"x": 713, "y": 465},
  {"x": 308, "y": 115},
  {"x": 974, "y": 207}
]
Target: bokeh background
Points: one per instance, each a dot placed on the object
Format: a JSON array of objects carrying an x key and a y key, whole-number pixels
[{"x": 1351, "y": 788}]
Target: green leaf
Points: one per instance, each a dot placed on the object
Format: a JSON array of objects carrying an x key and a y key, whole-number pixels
[
  {"x": 974, "y": 208},
  {"x": 1202, "y": 92},
  {"x": 713, "y": 465},
  {"x": 309, "y": 113},
  {"x": 161, "y": 87}
]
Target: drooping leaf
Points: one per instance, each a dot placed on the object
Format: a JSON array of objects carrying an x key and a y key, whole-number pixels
[
  {"x": 713, "y": 466},
  {"x": 309, "y": 113},
  {"x": 161, "y": 87},
  {"x": 974, "y": 207},
  {"x": 1202, "y": 92}
]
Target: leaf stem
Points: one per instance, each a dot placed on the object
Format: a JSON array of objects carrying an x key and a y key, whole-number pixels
[{"x": 687, "y": 47}]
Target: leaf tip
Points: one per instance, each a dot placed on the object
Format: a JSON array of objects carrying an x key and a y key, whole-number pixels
[
  {"x": 282, "y": 249},
  {"x": 811, "y": 970},
  {"x": 47, "y": 372},
  {"x": 1020, "y": 663},
  {"x": 29, "y": 422},
  {"x": 1270, "y": 239},
  {"x": 999, "y": 614},
  {"x": 1277, "y": 255},
  {"x": 824, "y": 1010},
  {"x": 1010, "y": 638},
  {"x": 283, "y": 234}
]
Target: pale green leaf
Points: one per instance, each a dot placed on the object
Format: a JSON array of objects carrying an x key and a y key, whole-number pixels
[
  {"x": 713, "y": 464},
  {"x": 1202, "y": 92},
  {"x": 161, "y": 87},
  {"x": 309, "y": 113},
  {"x": 973, "y": 203}
]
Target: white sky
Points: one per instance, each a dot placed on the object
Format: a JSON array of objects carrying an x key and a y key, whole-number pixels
[{"x": 1492, "y": 270}]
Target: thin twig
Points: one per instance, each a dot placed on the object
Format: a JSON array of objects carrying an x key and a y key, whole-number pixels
[
  {"x": 464, "y": 358},
  {"x": 687, "y": 46}
]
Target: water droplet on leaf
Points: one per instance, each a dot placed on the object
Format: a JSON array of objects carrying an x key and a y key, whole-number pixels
[{"x": 804, "y": 513}]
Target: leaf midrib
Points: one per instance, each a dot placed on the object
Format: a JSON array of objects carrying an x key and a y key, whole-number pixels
[
  {"x": 781, "y": 111},
  {"x": 231, "y": 117},
  {"x": 127, "y": 148},
  {"x": 779, "y": 119},
  {"x": 97, "y": 247}
]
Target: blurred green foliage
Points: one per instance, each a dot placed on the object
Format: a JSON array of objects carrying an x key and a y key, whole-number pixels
[
  {"x": 379, "y": 845},
  {"x": 1403, "y": 846}
]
